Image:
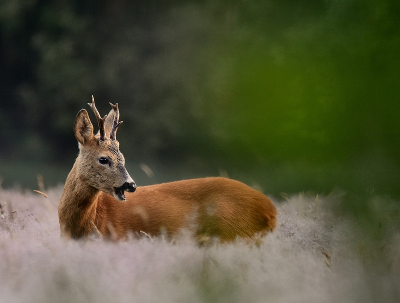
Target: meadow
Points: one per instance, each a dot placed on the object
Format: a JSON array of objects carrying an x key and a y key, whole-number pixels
[
  {"x": 318, "y": 253},
  {"x": 290, "y": 95}
]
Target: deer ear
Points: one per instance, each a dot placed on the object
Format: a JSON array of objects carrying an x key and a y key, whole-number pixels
[
  {"x": 83, "y": 128},
  {"x": 109, "y": 123}
]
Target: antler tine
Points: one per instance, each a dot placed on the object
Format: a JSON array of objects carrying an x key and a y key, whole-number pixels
[
  {"x": 100, "y": 120},
  {"x": 116, "y": 122}
]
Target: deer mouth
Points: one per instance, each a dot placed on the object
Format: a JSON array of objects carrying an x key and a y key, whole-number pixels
[{"x": 119, "y": 192}]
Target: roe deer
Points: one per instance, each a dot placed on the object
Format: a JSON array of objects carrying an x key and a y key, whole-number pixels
[{"x": 208, "y": 207}]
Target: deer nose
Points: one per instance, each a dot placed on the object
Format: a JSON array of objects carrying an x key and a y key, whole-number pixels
[{"x": 130, "y": 186}]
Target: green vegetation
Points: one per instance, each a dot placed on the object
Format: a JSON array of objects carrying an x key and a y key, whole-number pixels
[{"x": 292, "y": 95}]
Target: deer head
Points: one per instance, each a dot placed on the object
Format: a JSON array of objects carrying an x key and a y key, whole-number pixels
[{"x": 100, "y": 162}]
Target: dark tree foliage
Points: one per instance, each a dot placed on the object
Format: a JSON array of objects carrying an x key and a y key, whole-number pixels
[{"x": 241, "y": 83}]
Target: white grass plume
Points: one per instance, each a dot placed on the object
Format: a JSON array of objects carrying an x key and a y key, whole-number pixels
[{"x": 315, "y": 255}]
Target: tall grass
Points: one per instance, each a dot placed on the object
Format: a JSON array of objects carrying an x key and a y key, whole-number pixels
[{"x": 317, "y": 254}]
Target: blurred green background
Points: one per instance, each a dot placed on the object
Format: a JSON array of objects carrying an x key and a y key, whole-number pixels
[{"x": 292, "y": 95}]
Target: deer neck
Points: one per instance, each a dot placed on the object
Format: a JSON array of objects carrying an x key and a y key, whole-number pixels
[{"x": 77, "y": 208}]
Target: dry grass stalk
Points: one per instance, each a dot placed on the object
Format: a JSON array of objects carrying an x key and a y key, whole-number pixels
[
  {"x": 40, "y": 182},
  {"x": 146, "y": 235},
  {"x": 147, "y": 170},
  {"x": 40, "y": 192}
]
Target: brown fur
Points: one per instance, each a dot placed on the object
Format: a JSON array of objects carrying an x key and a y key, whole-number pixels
[{"x": 208, "y": 207}]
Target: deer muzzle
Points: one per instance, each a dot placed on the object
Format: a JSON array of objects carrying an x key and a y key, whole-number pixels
[{"x": 129, "y": 187}]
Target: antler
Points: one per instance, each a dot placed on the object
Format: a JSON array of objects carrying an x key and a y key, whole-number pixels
[
  {"x": 100, "y": 120},
  {"x": 116, "y": 122}
]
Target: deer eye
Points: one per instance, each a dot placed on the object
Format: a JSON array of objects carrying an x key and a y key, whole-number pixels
[{"x": 103, "y": 161}]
